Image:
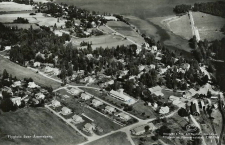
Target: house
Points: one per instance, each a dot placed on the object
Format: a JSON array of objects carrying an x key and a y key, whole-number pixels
[
  {"x": 85, "y": 96},
  {"x": 123, "y": 116},
  {"x": 77, "y": 118},
  {"x": 152, "y": 127},
  {"x": 96, "y": 103},
  {"x": 152, "y": 66},
  {"x": 164, "y": 110},
  {"x": 56, "y": 103},
  {"x": 16, "y": 84},
  {"x": 120, "y": 95},
  {"x": 39, "y": 96},
  {"x": 157, "y": 90},
  {"x": 32, "y": 85},
  {"x": 66, "y": 111},
  {"x": 110, "y": 109},
  {"x": 154, "y": 48},
  {"x": 16, "y": 101},
  {"x": 186, "y": 66},
  {"x": 35, "y": 101},
  {"x": 138, "y": 130},
  {"x": 110, "y": 18},
  {"x": 89, "y": 127},
  {"x": 195, "y": 108},
  {"x": 37, "y": 64},
  {"x": 75, "y": 92},
  {"x": 8, "y": 90}
]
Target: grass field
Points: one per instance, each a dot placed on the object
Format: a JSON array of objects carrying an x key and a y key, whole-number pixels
[
  {"x": 102, "y": 41},
  {"x": 208, "y": 25},
  {"x": 22, "y": 72},
  {"x": 11, "y": 6},
  {"x": 23, "y": 26},
  {"x": 100, "y": 120},
  {"x": 114, "y": 139},
  {"x": 39, "y": 18},
  {"x": 39, "y": 122}
]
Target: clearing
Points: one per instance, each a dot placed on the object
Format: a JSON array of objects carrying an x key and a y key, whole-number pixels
[
  {"x": 22, "y": 72},
  {"x": 208, "y": 25},
  {"x": 39, "y": 122},
  {"x": 119, "y": 138}
]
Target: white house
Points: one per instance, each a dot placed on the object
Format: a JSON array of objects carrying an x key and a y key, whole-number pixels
[
  {"x": 16, "y": 101},
  {"x": 138, "y": 130},
  {"x": 96, "y": 103},
  {"x": 85, "y": 96},
  {"x": 56, "y": 103},
  {"x": 32, "y": 85},
  {"x": 110, "y": 109},
  {"x": 39, "y": 96},
  {"x": 110, "y": 18},
  {"x": 75, "y": 92},
  {"x": 16, "y": 84},
  {"x": 124, "y": 116},
  {"x": 157, "y": 90},
  {"x": 37, "y": 64},
  {"x": 164, "y": 110},
  {"x": 66, "y": 111},
  {"x": 77, "y": 119},
  {"x": 89, "y": 127}
]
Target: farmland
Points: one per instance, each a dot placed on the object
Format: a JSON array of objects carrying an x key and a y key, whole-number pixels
[
  {"x": 39, "y": 19},
  {"x": 22, "y": 72},
  {"x": 208, "y": 25},
  {"x": 37, "y": 122},
  {"x": 114, "y": 139}
]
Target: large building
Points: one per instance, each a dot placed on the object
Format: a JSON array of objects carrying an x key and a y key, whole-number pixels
[{"x": 120, "y": 95}]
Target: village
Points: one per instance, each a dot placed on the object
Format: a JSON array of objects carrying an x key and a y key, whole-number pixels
[{"x": 137, "y": 87}]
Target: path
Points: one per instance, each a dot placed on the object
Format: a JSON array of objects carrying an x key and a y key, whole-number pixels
[{"x": 195, "y": 31}]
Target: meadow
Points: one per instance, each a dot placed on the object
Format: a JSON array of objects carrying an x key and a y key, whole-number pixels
[
  {"x": 12, "y": 6},
  {"x": 39, "y": 122}
]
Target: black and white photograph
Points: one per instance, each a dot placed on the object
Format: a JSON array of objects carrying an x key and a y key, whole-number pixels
[{"x": 112, "y": 72}]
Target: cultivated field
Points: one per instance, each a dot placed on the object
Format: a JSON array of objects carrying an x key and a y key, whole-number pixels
[
  {"x": 102, "y": 41},
  {"x": 11, "y": 6},
  {"x": 22, "y": 72},
  {"x": 39, "y": 18},
  {"x": 208, "y": 25},
  {"x": 114, "y": 139},
  {"x": 39, "y": 122}
]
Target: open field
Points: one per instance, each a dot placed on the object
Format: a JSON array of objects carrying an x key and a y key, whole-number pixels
[
  {"x": 208, "y": 25},
  {"x": 22, "y": 72},
  {"x": 102, "y": 41},
  {"x": 23, "y": 26},
  {"x": 114, "y": 139},
  {"x": 100, "y": 120},
  {"x": 12, "y": 6},
  {"x": 39, "y": 18},
  {"x": 181, "y": 26},
  {"x": 39, "y": 122}
]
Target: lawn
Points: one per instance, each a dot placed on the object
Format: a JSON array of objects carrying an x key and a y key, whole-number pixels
[
  {"x": 12, "y": 6},
  {"x": 39, "y": 18},
  {"x": 181, "y": 26},
  {"x": 22, "y": 72},
  {"x": 208, "y": 25},
  {"x": 114, "y": 139},
  {"x": 78, "y": 108},
  {"x": 39, "y": 122}
]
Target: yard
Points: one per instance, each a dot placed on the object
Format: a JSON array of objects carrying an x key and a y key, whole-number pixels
[
  {"x": 39, "y": 122},
  {"x": 114, "y": 139},
  {"x": 78, "y": 108},
  {"x": 208, "y": 25},
  {"x": 22, "y": 72}
]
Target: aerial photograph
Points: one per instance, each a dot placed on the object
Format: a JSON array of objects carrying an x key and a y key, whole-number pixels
[{"x": 112, "y": 72}]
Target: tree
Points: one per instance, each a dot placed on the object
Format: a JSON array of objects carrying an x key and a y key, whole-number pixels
[
  {"x": 182, "y": 112},
  {"x": 147, "y": 128},
  {"x": 5, "y": 74}
]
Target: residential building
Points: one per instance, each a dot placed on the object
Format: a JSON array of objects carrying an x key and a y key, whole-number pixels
[
  {"x": 96, "y": 103},
  {"x": 120, "y": 95},
  {"x": 66, "y": 111},
  {"x": 138, "y": 130},
  {"x": 85, "y": 96},
  {"x": 37, "y": 64},
  {"x": 16, "y": 84},
  {"x": 164, "y": 110},
  {"x": 110, "y": 109},
  {"x": 39, "y": 96},
  {"x": 32, "y": 85},
  {"x": 75, "y": 92},
  {"x": 16, "y": 101},
  {"x": 123, "y": 116},
  {"x": 77, "y": 119},
  {"x": 89, "y": 127},
  {"x": 157, "y": 90},
  {"x": 56, "y": 103}
]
